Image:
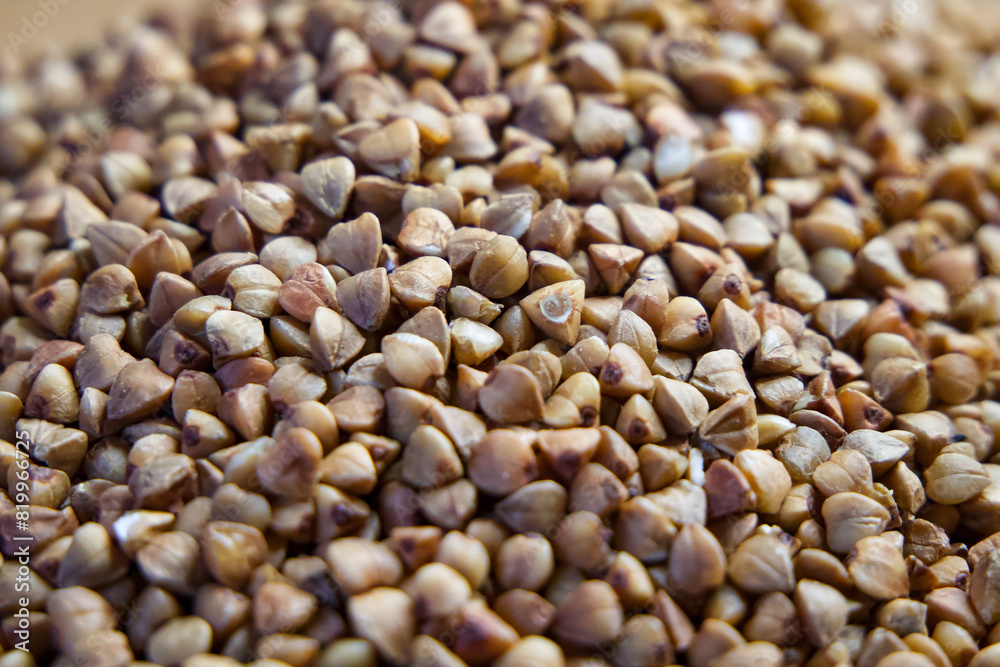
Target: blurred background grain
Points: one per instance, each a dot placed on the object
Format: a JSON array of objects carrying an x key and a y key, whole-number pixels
[
  {"x": 74, "y": 24},
  {"x": 78, "y": 23}
]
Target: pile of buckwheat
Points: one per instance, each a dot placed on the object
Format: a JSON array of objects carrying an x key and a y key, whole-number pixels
[{"x": 610, "y": 333}]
